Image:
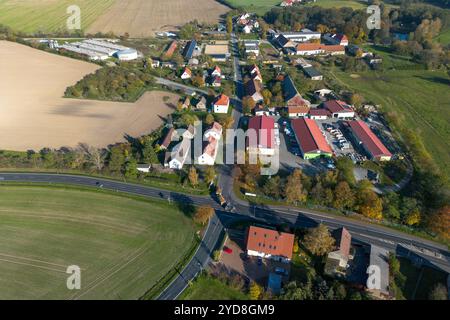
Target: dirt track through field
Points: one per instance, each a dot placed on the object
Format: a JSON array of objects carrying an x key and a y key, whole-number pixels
[
  {"x": 141, "y": 18},
  {"x": 34, "y": 115}
]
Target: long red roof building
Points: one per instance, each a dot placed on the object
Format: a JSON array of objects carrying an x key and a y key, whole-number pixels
[
  {"x": 369, "y": 141},
  {"x": 310, "y": 138}
]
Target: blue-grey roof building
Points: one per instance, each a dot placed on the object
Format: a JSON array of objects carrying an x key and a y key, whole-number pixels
[{"x": 189, "y": 49}]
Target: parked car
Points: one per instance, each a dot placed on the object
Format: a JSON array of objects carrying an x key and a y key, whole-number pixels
[
  {"x": 259, "y": 261},
  {"x": 227, "y": 250}
]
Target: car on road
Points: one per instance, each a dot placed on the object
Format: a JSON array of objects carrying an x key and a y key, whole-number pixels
[{"x": 227, "y": 250}]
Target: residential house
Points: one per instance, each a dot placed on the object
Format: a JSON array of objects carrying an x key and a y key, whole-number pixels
[
  {"x": 221, "y": 104},
  {"x": 270, "y": 244},
  {"x": 261, "y": 135},
  {"x": 177, "y": 157},
  {"x": 169, "y": 64},
  {"x": 155, "y": 63},
  {"x": 364, "y": 137},
  {"x": 310, "y": 139},
  {"x": 339, "y": 109},
  {"x": 212, "y": 137},
  {"x": 253, "y": 89},
  {"x": 337, "y": 260},
  {"x": 216, "y": 72},
  {"x": 283, "y": 42},
  {"x": 190, "y": 132},
  {"x": 215, "y": 81},
  {"x": 171, "y": 49},
  {"x": 186, "y": 103},
  {"x": 201, "y": 104},
  {"x": 169, "y": 137},
  {"x": 187, "y": 74}
]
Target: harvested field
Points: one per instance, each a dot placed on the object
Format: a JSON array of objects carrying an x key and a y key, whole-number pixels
[
  {"x": 142, "y": 18},
  {"x": 34, "y": 114}
]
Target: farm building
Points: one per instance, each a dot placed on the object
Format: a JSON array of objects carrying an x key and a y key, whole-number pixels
[
  {"x": 312, "y": 73},
  {"x": 313, "y": 49},
  {"x": 336, "y": 39},
  {"x": 218, "y": 52},
  {"x": 291, "y": 96},
  {"x": 168, "y": 139},
  {"x": 171, "y": 49},
  {"x": 101, "y": 49},
  {"x": 302, "y": 36},
  {"x": 363, "y": 136},
  {"x": 298, "y": 111},
  {"x": 339, "y": 109},
  {"x": 318, "y": 114},
  {"x": 310, "y": 139},
  {"x": 270, "y": 244},
  {"x": 188, "y": 51},
  {"x": 253, "y": 89},
  {"x": 261, "y": 135},
  {"x": 127, "y": 55}
]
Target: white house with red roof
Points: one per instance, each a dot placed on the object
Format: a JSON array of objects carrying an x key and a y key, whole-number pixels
[
  {"x": 212, "y": 137},
  {"x": 336, "y": 38},
  {"x": 187, "y": 74},
  {"x": 270, "y": 244},
  {"x": 339, "y": 109},
  {"x": 261, "y": 135},
  {"x": 216, "y": 72},
  {"x": 221, "y": 104}
]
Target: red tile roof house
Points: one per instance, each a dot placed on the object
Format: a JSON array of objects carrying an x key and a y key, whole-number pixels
[
  {"x": 216, "y": 72},
  {"x": 339, "y": 109},
  {"x": 211, "y": 145},
  {"x": 313, "y": 49},
  {"x": 310, "y": 139},
  {"x": 363, "y": 136},
  {"x": 337, "y": 260},
  {"x": 171, "y": 50},
  {"x": 261, "y": 135},
  {"x": 187, "y": 74},
  {"x": 221, "y": 104},
  {"x": 298, "y": 111},
  {"x": 270, "y": 244}
]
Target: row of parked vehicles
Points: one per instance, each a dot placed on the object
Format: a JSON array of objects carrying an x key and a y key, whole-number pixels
[{"x": 339, "y": 136}]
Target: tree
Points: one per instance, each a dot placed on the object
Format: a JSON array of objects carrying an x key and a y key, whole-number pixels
[
  {"x": 130, "y": 170},
  {"x": 267, "y": 96},
  {"x": 193, "y": 176},
  {"x": 198, "y": 81},
  {"x": 293, "y": 190},
  {"x": 229, "y": 24},
  {"x": 203, "y": 214},
  {"x": 248, "y": 104},
  {"x": 439, "y": 292},
  {"x": 319, "y": 240},
  {"x": 210, "y": 174},
  {"x": 116, "y": 159},
  {"x": 209, "y": 119},
  {"x": 344, "y": 197},
  {"x": 148, "y": 152},
  {"x": 413, "y": 217},
  {"x": 356, "y": 99},
  {"x": 255, "y": 291},
  {"x": 370, "y": 205},
  {"x": 439, "y": 222},
  {"x": 272, "y": 187}
]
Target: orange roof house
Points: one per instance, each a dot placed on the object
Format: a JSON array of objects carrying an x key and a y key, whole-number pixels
[{"x": 271, "y": 244}]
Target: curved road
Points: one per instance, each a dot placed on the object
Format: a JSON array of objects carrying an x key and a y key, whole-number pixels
[{"x": 431, "y": 252}]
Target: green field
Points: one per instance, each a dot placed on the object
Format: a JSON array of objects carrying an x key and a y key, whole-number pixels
[
  {"x": 123, "y": 245},
  {"x": 420, "y": 98},
  {"x": 444, "y": 37},
  {"x": 354, "y": 4},
  {"x": 209, "y": 288},
  {"x": 257, "y": 6},
  {"x": 48, "y": 16}
]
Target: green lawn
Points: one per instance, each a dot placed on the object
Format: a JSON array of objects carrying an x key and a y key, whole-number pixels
[
  {"x": 208, "y": 288},
  {"x": 444, "y": 37},
  {"x": 354, "y": 4},
  {"x": 420, "y": 98},
  {"x": 122, "y": 244},
  {"x": 47, "y": 16},
  {"x": 257, "y": 6}
]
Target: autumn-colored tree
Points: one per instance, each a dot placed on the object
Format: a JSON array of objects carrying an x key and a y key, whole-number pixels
[
  {"x": 203, "y": 214},
  {"x": 209, "y": 119},
  {"x": 294, "y": 191},
  {"x": 344, "y": 197},
  {"x": 193, "y": 176},
  {"x": 413, "y": 217},
  {"x": 198, "y": 81},
  {"x": 255, "y": 291},
  {"x": 248, "y": 104},
  {"x": 272, "y": 187},
  {"x": 267, "y": 95},
  {"x": 318, "y": 240},
  {"x": 439, "y": 222},
  {"x": 210, "y": 174},
  {"x": 370, "y": 205},
  {"x": 356, "y": 99}
]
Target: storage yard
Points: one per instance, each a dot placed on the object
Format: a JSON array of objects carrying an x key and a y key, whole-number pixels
[{"x": 34, "y": 114}]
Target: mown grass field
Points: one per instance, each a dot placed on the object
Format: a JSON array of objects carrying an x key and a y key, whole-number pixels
[
  {"x": 259, "y": 7},
  {"x": 420, "y": 98},
  {"x": 49, "y": 15},
  {"x": 208, "y": 288},
  {"x": 123, "y": 245},
  {"x": 354, "y": 4}
]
